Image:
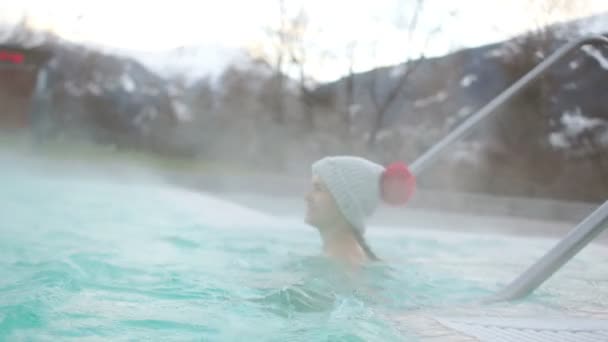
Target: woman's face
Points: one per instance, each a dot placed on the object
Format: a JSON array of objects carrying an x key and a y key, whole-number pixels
[{"x": 322, "y": 210}]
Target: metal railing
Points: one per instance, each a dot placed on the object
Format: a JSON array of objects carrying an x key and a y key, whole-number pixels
[
  {"x": 559, "y": 255},
  {"x": 582, "y": 234}
]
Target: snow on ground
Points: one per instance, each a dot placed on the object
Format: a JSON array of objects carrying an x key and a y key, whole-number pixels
[
  {"x": 398, "y": 71},
  {"x": 574, "y": 123},
  {"x": 182, "y": 111},
  {"x": 464, "y": 112},
  {"x": 558, "y": 140},
  {"x": 74, "y": 90},
  {"x": 94, "y": 88},
  {"x": 127, "y": 83},
  {"x": 494, "y": 53},
  {"x": 439, "y": 97},
  {"x": 574, "y": 65},
  {"x": 467, "y": 80},
  {"x": 596, "y": 54},
  {"x": 468, "y": 152}
]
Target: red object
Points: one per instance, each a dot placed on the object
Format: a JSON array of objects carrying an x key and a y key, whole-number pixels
[
  {"x": 397, "y": 184},
  {"x": 12, "y": 57}
]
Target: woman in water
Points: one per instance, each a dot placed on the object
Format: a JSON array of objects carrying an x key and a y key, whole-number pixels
[{"x": 345, "y": 192}]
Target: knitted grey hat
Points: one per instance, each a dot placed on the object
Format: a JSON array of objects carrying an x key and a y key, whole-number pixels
[{"x": 354, "y": 183}]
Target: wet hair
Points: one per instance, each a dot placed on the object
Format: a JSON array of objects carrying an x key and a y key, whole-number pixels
[{"x": 366, "y": 248}]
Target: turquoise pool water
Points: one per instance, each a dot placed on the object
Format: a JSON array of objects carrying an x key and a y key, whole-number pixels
[{"x": 91, "y": 259}]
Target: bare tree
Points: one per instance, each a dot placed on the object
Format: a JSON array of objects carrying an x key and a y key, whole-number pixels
[
  {"x": 279, "y": 40},
  {"x": 23, "y": 33},
  {"x": 290, "y": 57},
  {"x": 296, "y": 45},
  {"x": 382, "y": 104},
  {"x": 350, "y": 109}
]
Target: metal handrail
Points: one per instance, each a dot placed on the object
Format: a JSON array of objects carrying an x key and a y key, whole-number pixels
[
  {"x": 559, "y": 255},
  {"x": 581, "y": 235}
]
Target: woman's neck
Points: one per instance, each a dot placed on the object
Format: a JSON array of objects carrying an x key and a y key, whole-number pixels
[{"x": 339, "y": 243}]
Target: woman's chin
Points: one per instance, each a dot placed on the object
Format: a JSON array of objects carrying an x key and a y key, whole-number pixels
[{"x": 309, "y": 220}]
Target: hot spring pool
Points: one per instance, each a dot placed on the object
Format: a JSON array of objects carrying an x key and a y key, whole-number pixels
[{"x": 85, "y": 259}]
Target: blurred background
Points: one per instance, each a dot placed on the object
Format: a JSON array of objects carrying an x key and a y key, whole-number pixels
[{"x": 246, "y": 94}]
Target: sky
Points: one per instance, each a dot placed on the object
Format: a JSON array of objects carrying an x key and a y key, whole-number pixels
[{"x": 202, "y": 37}]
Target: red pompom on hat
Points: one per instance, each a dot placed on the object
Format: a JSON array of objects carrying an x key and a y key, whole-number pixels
[{"x": 397, "y": 184}]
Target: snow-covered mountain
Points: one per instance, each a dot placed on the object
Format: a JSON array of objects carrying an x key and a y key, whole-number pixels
[{"x": 443, "y": 91}]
